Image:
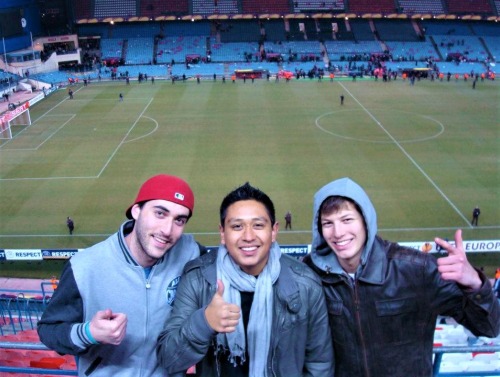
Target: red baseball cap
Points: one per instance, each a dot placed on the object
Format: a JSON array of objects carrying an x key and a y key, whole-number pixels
[{"x": 165, "y": 187}]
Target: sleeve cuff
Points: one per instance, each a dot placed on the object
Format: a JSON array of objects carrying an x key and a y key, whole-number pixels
[
  {"x": 81, "y": 336},
  {"x": 200, "y": 327}
]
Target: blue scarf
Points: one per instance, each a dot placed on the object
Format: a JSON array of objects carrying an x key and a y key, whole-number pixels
[{"x": 261, "y": 314}]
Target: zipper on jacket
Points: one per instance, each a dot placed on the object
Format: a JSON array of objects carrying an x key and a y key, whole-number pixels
[
  {"x": 146, "y": 322},
  {"x": 358, "y": 319}
]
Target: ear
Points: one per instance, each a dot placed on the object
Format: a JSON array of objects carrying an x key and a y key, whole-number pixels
[
  {"x": 274, "y": 231},
  {"x": 221, "y": 232},
  {"x": 135, "y": 211}
]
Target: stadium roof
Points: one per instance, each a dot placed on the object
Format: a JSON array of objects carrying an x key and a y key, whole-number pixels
[{"x": 196, "y": 17}]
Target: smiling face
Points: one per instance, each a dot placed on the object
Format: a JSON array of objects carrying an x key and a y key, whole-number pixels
[
  {"x": 345, "y": 232},
  {"x": 158, "y": 226},
  {"x": 247, "y": 233}
]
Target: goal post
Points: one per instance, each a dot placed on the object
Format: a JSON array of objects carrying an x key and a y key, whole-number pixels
[{"x": 18, "y": 116}]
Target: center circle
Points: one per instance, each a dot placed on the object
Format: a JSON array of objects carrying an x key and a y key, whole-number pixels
[{"x": 396, "y": 126}]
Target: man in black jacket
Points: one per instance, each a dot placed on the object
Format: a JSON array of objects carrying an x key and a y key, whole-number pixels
[{"x": 383, "y": 299}]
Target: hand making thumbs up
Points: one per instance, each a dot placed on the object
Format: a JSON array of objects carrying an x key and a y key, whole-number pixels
[
  {"x": 455, "y": 266},
  {"x": 222, "y": 316}
]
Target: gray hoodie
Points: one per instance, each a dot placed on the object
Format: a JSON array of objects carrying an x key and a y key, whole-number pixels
[{"x": 322, "y": 255}]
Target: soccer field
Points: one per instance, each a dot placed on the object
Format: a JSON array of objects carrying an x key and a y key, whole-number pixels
[{"x": 426, "y": 154}]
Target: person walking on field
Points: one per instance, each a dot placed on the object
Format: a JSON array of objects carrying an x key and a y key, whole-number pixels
[
  {"x": 288, "y": 220},
  {"x": 70, "y": 224},
  {"x": 475, "y": 216},
  {"x": 113, "y": 298}
]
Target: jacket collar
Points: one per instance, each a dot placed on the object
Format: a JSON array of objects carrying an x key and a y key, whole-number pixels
[
  {"x": 124, "y": 231},
  {"x": 373, "y": 271}
]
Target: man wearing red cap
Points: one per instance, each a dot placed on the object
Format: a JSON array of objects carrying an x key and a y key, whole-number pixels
[{"x": 114, "y": 297}]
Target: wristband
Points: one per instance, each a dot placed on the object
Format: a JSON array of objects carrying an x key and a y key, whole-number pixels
[{"x": 89, "y": 334}]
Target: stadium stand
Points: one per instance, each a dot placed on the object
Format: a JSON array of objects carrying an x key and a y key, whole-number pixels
[
  {"x": 153, "y": 8},
  {"x": 369, "y": 6},
  {"x": 493, "y": 44},
  {"x": 265, "y": 7},
  {"x": 111, "y": 48},
  {"x": 497, "y": 6},
  {"x": 361, "y": 30},
  {"x": 274, "y": 30},
  {"x": 343, "y": 32},
  {"x": 204, "y": 7},
  {"x": 134, "y": 30},
  {"x": 318, "y": 5},
  {"x": 467, "y": 6},
  {"x": 395, "y": 30},
  {"x": 115, "y": 8},
  {"x": 179, "y": 28},
  {"x": 83, "y": 9},
  {"x": 139, "y": 51},
  {"x": 302, "y": 29},
  {"x": 177, "y": 48},
  {"x": 342, "y": 50},
  {"x": 237, "y": 51},
  {"x": 461, "y": 47},
  {"x": 239, "y": 31},
  {"x": 421, "y": 6},
  {"x": 419, "y": 51},
  {"x": 446, "y": 27}
]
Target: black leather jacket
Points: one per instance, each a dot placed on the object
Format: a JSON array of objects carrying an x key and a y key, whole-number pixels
[
  {"x": 391, "y": 309},
  {"x": 301, "y": 342}
]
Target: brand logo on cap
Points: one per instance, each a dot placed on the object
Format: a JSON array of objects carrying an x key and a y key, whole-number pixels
[{"x": 179, "y": 196}]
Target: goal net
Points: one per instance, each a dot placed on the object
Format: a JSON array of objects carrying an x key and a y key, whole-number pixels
[{"x": 16, "y": 116}]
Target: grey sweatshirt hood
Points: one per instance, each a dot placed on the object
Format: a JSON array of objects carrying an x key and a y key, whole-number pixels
[{"x": 321, "y": 254}]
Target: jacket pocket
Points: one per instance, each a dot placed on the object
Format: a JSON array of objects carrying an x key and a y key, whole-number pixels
[
  {"x": 93, "y": 366},
  {"x": 396, "y": 307},
  {"x": 396, "y": 321},
  {"x": 340, "y": 322}
]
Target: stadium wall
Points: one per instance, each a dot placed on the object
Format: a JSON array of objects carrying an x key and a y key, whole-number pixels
[
  {"x": 298, "y": 251},
  {"x": 30, "y": 11}
]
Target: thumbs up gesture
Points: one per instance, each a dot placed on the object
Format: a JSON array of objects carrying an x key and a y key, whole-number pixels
[
  {"x": 455, "y": 266},
  {"x": 222, "y": 316}
]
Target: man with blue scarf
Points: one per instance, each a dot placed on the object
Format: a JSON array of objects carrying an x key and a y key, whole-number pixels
[{"x": 246, "y": 309}]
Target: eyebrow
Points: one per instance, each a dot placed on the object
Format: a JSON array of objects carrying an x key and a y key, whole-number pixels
[
  {"x": 259, "y": 218},
  {"x": 167, "y": 210}
]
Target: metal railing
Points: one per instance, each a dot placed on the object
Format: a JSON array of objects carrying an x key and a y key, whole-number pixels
[
  {"x": 438, "y": 355},
  {"x": 30, "y": 370},
  {"x": 440, "y": 351}
]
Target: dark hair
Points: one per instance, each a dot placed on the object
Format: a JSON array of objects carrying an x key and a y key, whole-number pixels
[
  {"x": 334, "y": 204},
  {"x": 247, "y": 192}
]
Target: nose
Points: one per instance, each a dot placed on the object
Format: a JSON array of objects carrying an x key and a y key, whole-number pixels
[
  {"x": 167, "y": 225},
  {"x": 338, "y": 230},
  {"x": 248, "y": 233}
]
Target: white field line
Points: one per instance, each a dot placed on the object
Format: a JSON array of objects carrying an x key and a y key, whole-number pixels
[
  {"x": 419, "y": 168},
  {"x": 124, "y": 138}
]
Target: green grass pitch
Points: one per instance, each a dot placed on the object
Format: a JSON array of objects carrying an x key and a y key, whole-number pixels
[{"x": 426, "y": 154}]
